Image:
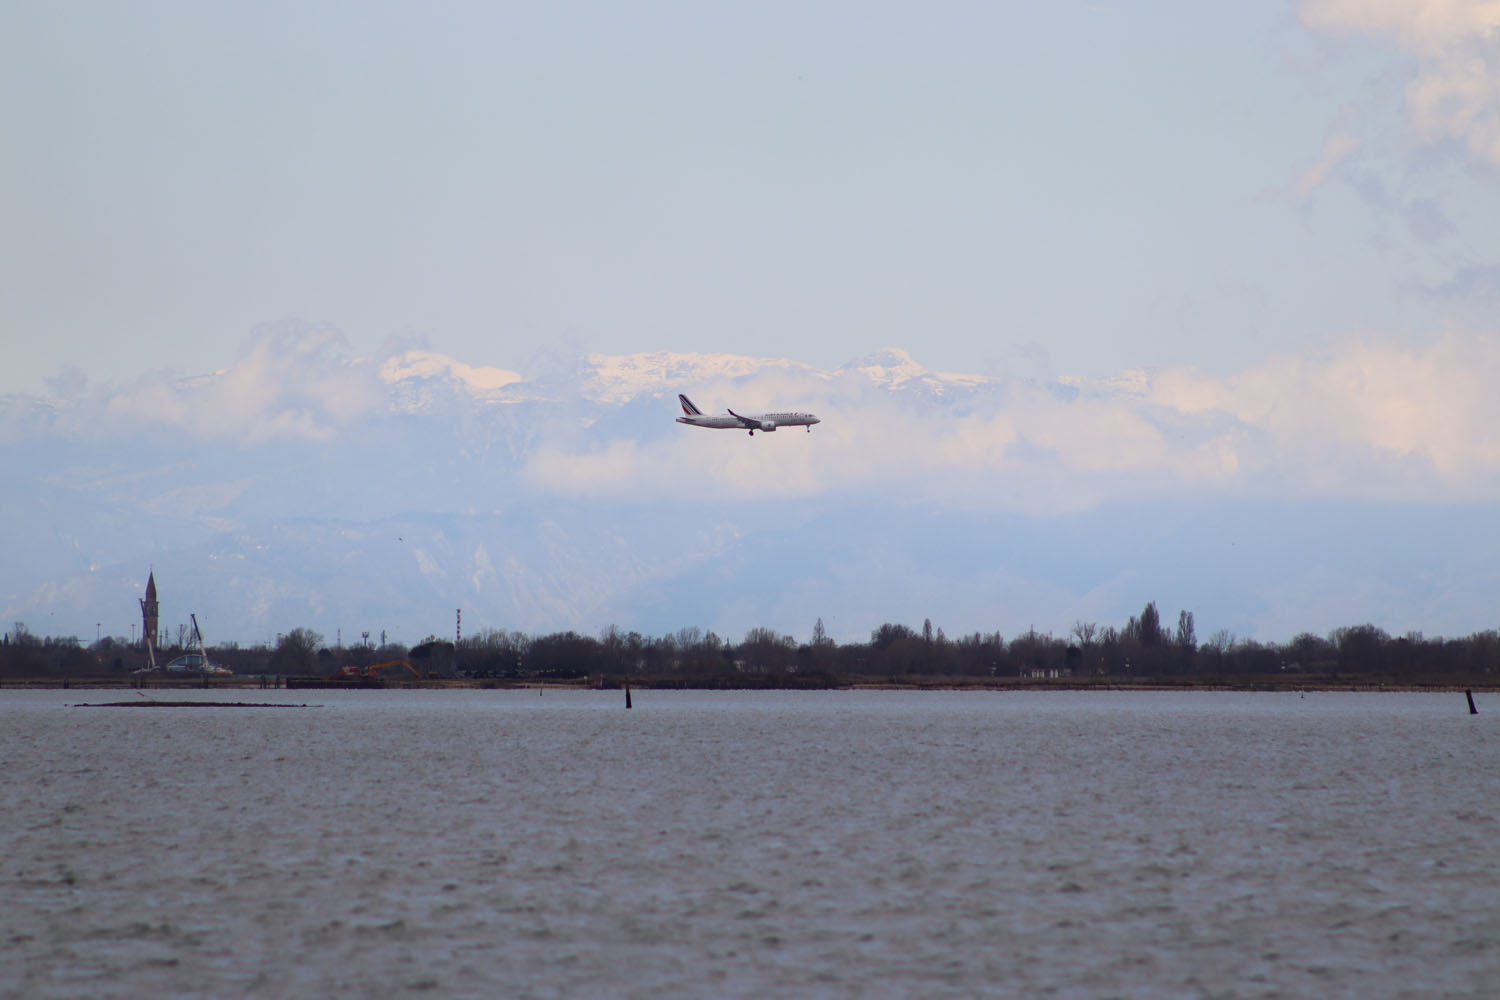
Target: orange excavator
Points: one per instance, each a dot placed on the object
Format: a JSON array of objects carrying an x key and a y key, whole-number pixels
[{"x": 375, "y": 670}]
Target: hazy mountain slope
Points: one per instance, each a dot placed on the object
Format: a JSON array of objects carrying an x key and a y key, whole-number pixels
[{"x": 361, "y": 495}]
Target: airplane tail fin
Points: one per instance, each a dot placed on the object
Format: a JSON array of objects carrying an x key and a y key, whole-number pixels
[{"x": 688, "y": 407}]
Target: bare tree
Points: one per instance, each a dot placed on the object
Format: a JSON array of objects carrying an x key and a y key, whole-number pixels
[
  {"x": 1084, "y": 632},
  {"x": 297, "y": 652},
  {"x": 820, "y": 635},
  {"x": 1220, "y": 643},
  {"x": 763, "y": 650},
  {"x": 1186, "y": 637}
]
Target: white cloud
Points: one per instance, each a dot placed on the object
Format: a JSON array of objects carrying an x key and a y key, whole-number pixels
[
  {"x": 1374, "y": 420},
  {"x": 1427, "y": 27},
  {"x": 289, "y": 382},
  {"x": 1339, "y": 146},
  {"x": 1454, "y": 92},
  {"x": 1459, "y": 98}
]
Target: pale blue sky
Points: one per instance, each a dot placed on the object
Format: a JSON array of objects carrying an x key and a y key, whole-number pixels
[{"x": 1074, "y": 188}]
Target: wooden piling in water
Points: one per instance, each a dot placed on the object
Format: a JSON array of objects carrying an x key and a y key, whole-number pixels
[
  {"x": 1472, "y": 709},
  {"x": 627, "y": 694}
]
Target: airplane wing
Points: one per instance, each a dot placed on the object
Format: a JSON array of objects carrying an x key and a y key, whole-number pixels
[{"x": 745, "y": 421}]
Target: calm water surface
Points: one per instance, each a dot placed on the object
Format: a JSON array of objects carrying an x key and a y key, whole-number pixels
[{"x": 840, "y": 844}]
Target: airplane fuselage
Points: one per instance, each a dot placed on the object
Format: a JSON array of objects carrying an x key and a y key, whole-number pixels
[{"x": 751, "y": 422}]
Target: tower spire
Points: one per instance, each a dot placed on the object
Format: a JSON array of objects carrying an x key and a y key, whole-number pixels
[{"x": 150, "y": 617}]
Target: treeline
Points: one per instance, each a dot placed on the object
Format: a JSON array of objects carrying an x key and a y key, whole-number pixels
[
  {"x": 1145, "y": 647},
  {"x": 1142, "y": 648}
]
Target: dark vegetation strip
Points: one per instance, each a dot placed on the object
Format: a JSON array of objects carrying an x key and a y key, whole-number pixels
[{"x": 1147, "y": 651}]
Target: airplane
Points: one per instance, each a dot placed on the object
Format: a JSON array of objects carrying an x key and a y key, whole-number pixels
[{"x": 752, "y": 422}]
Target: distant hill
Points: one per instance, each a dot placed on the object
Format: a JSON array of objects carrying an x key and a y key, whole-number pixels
[{"x": 304, "y": 487}]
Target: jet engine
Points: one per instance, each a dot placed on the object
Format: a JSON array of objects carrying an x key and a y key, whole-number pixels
[{"x": 767, "y": 425}]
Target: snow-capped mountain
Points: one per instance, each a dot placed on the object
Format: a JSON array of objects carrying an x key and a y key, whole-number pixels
[{"x": 305, "y": 487}]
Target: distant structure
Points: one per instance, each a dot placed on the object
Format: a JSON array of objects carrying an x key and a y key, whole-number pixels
[{"x": 150, "y": 613}]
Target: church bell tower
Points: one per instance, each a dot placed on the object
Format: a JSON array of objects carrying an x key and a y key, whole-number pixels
[{"x": 150, "y": 613}]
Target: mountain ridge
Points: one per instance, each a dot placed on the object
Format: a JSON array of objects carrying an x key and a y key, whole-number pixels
[{"x": 338, "y": 492}]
